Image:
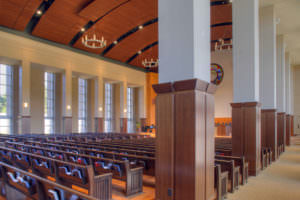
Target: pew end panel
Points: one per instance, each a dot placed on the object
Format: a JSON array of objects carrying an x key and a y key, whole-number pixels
[{"x": 134, "y": 179}]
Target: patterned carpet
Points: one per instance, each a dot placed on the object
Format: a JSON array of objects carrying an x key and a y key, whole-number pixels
[{"x": 280, "y": 181}]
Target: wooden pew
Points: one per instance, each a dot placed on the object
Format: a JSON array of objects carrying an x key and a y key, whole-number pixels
[
  {"x": 233, "y": 172},
  {"x": 145, "y": 161},
  {"x": 35, "y": 187},
  {"x": 221, "y": 180},
  {"x": 120, "y": 169},
  {"x": 78, "y": 177},
  {"x": 238, "y": 161}
]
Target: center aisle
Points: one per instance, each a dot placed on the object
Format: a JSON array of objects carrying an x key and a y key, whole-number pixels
[{"x": 280, "y": 181}]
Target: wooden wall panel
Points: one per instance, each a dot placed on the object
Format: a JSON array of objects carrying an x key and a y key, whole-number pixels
[
  {"x": 246, "y": 136},
  {"x": 192, "y": 115},
  {"x": 164, "y": 153},
  {"x": 292, "y": 125},
  {"x": 281, "y": 128},
  {"x": 151, "y": 79},
  {"x": 288, "y": 130},
  {"x": 269, "y": 130}
]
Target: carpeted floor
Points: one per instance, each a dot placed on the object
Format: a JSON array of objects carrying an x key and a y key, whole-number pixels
[{"x": 280, "y": 181}]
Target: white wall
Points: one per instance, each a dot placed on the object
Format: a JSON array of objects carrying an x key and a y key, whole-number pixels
[
  {"x": 224, "y": 93},
  {"x": 27, "y": 51}
]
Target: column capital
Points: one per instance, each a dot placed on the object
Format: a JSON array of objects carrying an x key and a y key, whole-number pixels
[{"x": 191, "y": 84}]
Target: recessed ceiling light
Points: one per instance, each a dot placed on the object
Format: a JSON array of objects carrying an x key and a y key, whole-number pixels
[
  {"x": 139, "y": 52},
  {"x": 116, "y": 42},
  {"x": 82, "y": 29},
  {"x": 230, "y": 1},
  {"x": 141, "y": 27},
  {"x": 39, "y": 12}
]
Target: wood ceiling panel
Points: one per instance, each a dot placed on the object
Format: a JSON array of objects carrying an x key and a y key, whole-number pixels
[
  {"x": 134, "y": 43},
  {"x": 61, "y": 22},
  {"x": 221, "y": 32},
  {"x": 99, "y": 8},
  {"x": 17, "y": 13},
  {"x": 151, "y": 53},
  {"x": 122, "y": 20},
  {"x": 221, "y": 13},
  {"x": 26, "y": 14}
]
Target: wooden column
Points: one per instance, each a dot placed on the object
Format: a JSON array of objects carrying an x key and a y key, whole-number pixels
[
  {"x": 281, "y": 121},
  {"x": 185, "y": 140},
  {"x": 269, "y": 130},
  {"x": 288, "y": 130},
  {"x": 292, "y": 125},
  {"x": 123, "y": 125},
  {"x": 246, "y": 136},
  {"x": 99, "y": 122}
]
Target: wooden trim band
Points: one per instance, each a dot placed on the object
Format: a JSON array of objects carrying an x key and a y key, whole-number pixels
[
  {"x": 185, "y": 85},
  {"x": 268, "y": 110},
  {"x": 281, "y": 113},
  {"x": 245, "y": 104}
]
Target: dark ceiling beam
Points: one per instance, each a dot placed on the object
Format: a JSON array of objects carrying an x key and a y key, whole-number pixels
[
  {"x": 219, "y": 3},
  {"x": 124, "y": 36},
  {"x": 142, "y": 50},
  {"x": 221, "y": 24},
  {"x": 44, "y": 6},
  {"x": 92, "y": 23}
]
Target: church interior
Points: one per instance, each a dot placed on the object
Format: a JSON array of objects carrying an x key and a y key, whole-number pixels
[{"x": 149, "y": 99}]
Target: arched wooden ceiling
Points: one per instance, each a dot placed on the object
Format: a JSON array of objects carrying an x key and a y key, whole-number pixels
[{"x": 62, "y": 21}]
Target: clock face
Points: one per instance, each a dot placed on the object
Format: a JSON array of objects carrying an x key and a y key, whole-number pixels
[{"x": 216, "y": 74}]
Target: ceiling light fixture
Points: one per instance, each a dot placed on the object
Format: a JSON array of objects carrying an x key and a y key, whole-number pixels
[
  {"x": 82, "y": 29},
  {"x": 93, "y": 42},
  {"x": 150, "y": 63},
  {"x": 139, "y": 52},
  {"x": 141, "y": 27},
  {"x": 39, "y": 12},
  {"x": 116, "y": 42}
]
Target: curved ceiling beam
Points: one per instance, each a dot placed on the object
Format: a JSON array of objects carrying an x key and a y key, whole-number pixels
[
  {"x": 141, "y": 51},
  {"x": 122, "y": 37},
  {"x": 221, "y": 24},
  {"x": 218, "y": 3},
  {"x": 45, "y": 5},
  {"x": 91, "y": 23}
]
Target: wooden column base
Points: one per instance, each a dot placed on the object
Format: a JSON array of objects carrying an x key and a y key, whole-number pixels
[
  {"x": 288, "y": 130},
  {"x": 99, "y": 123},
  {"x": 123, "y": 125},
  {"x": 269, "y": 130},
  {"x": 292, "y": 125},
  {"x": 246, "y": 136},
  {"x": 67, "y": 124},
  {"x": 25, "y": 125},
  {"x": 281, "y": 129},
  {"x": 185, "y": 140}
]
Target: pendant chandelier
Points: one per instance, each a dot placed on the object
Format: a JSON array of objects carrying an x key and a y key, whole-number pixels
[
  {"x": 93, "y": 42},
  {"x": 220, "y": 45},
  {"x": 150, "y": 63}
]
